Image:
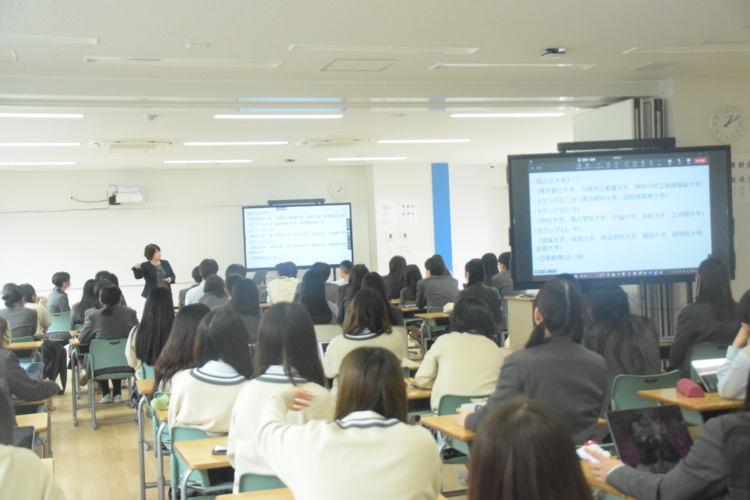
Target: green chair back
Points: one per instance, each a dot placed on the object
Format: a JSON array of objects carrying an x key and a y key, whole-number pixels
[
  {"x": 59, "y": 322},
  {"x": 705, "y": 350},
  {"x": 22, "y": 339},
  {"x": 147, "y": 371},
  {"x": 179, "y": 469},
  {"x": 258, "y": 482},
  {"x": 625, "y": 389},
  {"x": 447, "y": 406},
  {"x": 108, "y": 361},
  {"x": 24, "y": 356}
]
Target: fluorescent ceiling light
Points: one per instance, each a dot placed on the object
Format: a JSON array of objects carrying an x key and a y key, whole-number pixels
[
  {"x": 35, "y": 163},
  {"x": 582, "y": 66},
  {"x": 370, "y": 158},
  {"x": 290, "y": 99},
  {"x": 421, "y": 141},
  {"x": 700, "y": 49},
  {"x": 58, "y": 40},
  {"x": 37, "y": 144},
  {"x": 278, "y": 117},
  {"x": 165, "y": 61},
  {"x": 193, "y": 162},
  {"x": 41, "y": 115},
  {"x": 383, "y": 49},
  {"x": 259, "y": 143},
  {"x": 506, "y": 115}
]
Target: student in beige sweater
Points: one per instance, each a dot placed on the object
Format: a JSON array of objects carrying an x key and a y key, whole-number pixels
[
  {"x": 287, "y": 355},
  {"x": 465, "y": 362}
]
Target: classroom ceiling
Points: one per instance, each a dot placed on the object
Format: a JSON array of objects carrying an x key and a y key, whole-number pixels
[{"x": 150, "y": 76}]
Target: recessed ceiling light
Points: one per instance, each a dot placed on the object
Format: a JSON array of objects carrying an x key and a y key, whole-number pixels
[
  {"x": 194, "y": 162},
  {"x": 278, "y": 117},
  {"x": 35, "y": 163},
  {"x": 581, "y": 66},
  {"x": 383, "y": 49},
  {"x": 58, "y": 40},
  {"x": 258, "y": 143},
  {"x": 421, "y": 141},
  {"x": 41, "y": 115},
  {"x": 37, "y": 144},
  {"x": 506, "y": 115},
  {"x": 165, "y": 61},
  {"x": 700, "y": 49},
  {"x": 370, "y": 158}
]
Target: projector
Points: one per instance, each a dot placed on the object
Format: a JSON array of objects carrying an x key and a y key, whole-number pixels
[{"x": 127, "y": 195}]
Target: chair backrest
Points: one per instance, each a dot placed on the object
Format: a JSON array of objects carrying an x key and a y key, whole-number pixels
[
  {"x": 147, "y": 371},
  {"x": 258, "y": 482},
  {"x": 78, "y": 327},
  {"x": 59, "y": 322},
  {"x": 328, "y": 331},
  {"x": 177, "y": 465},
  {"x": 705, "y": 350},
  {"x": 108, "y": 359},
  {"x": 22, "y": 339},
  {"x": 434, "y": 310},
  {"x": 625, "y": 389},
  {"x": 449, "y": 402}
]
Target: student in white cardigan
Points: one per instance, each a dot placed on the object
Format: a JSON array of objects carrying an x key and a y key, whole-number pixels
[
  {"x": 465, "y": 362},
  {"x": 368, "y": 452},
  {"x": 287, "y": 354},
  {"x": 367, "y": 326},
  {"x": 204, "y": 397},
  {"x": 733, "y": 375}
]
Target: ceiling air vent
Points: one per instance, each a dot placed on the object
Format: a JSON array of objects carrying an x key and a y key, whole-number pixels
[{"x": 132, "y": 145}]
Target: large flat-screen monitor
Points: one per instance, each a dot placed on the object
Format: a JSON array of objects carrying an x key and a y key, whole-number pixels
[
  {"x": 635, "y": 216},
  {"x": 303, "y": 234}
]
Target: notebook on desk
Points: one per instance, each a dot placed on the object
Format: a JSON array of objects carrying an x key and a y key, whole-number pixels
[
  {"x": 651, "y": 439},
  {"x": 708, "y": 371}
]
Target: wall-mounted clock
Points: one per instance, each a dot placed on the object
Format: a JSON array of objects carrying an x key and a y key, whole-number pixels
[
  {"x": 727, "y": 124},
  {"x": 338, "y": 190}
]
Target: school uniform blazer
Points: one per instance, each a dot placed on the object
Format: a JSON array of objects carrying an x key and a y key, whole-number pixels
[
  {"x": 364, "y": 455},
  {"x": 115, "y": 326},
  {"x": 331, "y": 289},
  {"x": 565, "y": 376},
  {"x": 436, "y": 291},
  {"x": 503, "y": 283},
  {"x": 57, "y": 301},
  {"x": 696, "y": 323},
  {"x": 22, "y": 320},
  {"x": 19, "y": 383},
  {"x": 488, "y": 295},
  {"x": 242, "y": 450},
  {"x": 701, "y": 475},
  {"x": 148, "y": 271}
]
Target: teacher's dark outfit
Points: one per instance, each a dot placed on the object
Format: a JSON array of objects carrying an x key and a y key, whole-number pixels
[{"x": 151, "y": 273}]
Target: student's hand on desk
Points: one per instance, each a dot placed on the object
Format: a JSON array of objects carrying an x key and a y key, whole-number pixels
[
  {"x": 462, "y": 414},
  {"x": 605, "y": 465},
  {"x": 302, "y": 398}
]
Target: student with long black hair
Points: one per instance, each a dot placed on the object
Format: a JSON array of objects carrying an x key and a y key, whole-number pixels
[
  {"x": 246, "y": 303},
  {"x": 629, "y": 343},
  {"x": 376, "y": 282},
  {"x": 489, "y": 263},
  {"x": 477, "y": 288},
  {"x": 179, "y": 352},
  {"x": 395, "y": 280},
  {"x": 409, "y": 292},
  {"x": 89, "y": 300},
  {"x": 313, "y": 297},
  {"x": 146, "y": 341},
  {"x": 554, "y": 368},
  {"x": 287, "y": 355},
  {"x": 348, "y": 291}
]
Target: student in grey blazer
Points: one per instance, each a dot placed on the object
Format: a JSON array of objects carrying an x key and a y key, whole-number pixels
[
  {"x": 112, "y": 321},
  {"x": 19, "y": 383},
  {"x": 57, "y": 300},
  {"x": 22, "y": 320},
  {"x": 438, "y": 288},
  {"x": 554, "y": 368}
]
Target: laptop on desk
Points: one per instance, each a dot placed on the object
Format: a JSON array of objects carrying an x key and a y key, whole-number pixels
[
  {"x": 708, "y": 371},
  {"x": 652, "y": 439}
]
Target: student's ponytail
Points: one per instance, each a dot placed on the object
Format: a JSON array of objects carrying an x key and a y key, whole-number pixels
[
  {"x": 110, "y": 296},
  {"x": 560, "y": 304}
]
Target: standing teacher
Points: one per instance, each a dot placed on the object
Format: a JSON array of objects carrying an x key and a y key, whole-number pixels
[{"x": 156, "y": 271}]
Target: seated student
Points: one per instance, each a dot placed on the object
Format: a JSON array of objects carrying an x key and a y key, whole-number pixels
[
  {"x": 22, "y": 321},
  {"x": 554, "y": 368},
  {"x": 395, "y": 280},
  {"x": 89, "y": 300},
  {"x": 245, "y": 302},
  {"x": 238, "y": 269},
  {"x": 345, "y": 267},
  {"x": 207, "y": 267},
  {"x": 229, "y": 284},
  {"x": 465, "y": 362},
  {"x": 377, "y": 283},
  {"x": 282, "y": 288},
  {"x": 367, "y": 326},
  {"x": 5, "y": 337},
  {"x": 438, "y": 287},
  {"x": 112, "y": 321},
  {"x": 287, "y": 355},
  {"x": 22, "y": 473},
  {"x": 324, "y": 271},
  {"x": 178, "y": 353},
  {"x": 18, "y": 381},
  {"x": 57, "y": 300},
  {"x": 503, "y": 281},
  {"x": 489, "y": 265},
  {"x": 717, "y": 466},
  {"x": 155, "y": 271},
  {"x": 346, "y": 292},
  {"x": 197, "y": 279},
  {"x": 523, "y": 450},
  {"x": 408, "y": 294},
  {"x": 203, "y": 397},
  {"x": 147, "y": 340},
  {"x": 214, "y": 292},
  {"x": 313, "y": 298},
  {"x": 733, "y": 375},
  {"x": 32, "y": 301},
  {"x": 629, "y": 343},
  {"x": 475, "y": 287},
  {"x": 368, "y": 452},
  {"x": 711, "y": 318}
]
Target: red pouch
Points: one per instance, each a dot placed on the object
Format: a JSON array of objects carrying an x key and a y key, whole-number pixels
[{"x": 688, "y": 388}]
